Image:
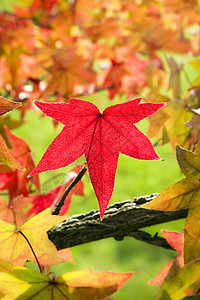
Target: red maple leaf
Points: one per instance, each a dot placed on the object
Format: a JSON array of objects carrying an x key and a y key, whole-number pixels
[{"x": 100, "y": 136}]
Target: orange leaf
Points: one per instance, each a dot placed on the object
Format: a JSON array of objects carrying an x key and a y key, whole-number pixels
[
  {"x": 66, "y": 71},
  {"x": 12, "y": 212}
]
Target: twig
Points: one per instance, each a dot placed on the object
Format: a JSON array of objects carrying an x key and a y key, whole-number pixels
[
  {"x": 68, "y": 189},
  {"x": 147, "y": 238}
]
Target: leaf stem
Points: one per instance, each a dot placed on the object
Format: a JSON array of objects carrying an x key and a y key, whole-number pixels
[
  {"x": 39, "y": 266},
  {"x": 68, "y": 189},
  {"x": 53, "y": 276}
]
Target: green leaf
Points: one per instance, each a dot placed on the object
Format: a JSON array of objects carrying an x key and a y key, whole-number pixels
[
  {"x": 184, "y": 194},
  {"x": 179, "y": 279}
]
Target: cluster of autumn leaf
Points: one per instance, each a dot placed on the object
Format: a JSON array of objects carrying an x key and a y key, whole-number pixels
[{"x": 55, "y": 50}]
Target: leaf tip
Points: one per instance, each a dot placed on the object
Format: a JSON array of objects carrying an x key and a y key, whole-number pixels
[
  {"x": 143, "y": 206},
  {"x": 22, "y": 168},
  {"x": 29, "y": 175},
  {"x": 33, "y": 172},
  {"x": 36, "y": 102}
]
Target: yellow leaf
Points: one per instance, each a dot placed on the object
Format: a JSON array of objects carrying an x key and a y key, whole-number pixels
[
  {"x": 79, "y": 285},
  {"x": 14, "y": 247}
]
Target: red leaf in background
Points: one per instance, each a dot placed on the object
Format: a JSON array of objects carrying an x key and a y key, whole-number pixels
[
  {"x": 9, "y": 181},
  {"x": 125, "y": 77},
  {"x": 13, "y": 211},
  {"x": 45, "y": 4},
  {"x": 41, "y": 202},
  {"x": 100, "y": 136},
  {"x": 38, "y": 10},
  {"x": 15, "y": 181},
  {"x": 176, "y": 241}
]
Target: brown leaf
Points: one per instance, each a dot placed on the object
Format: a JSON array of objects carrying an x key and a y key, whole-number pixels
[{"x": 7, "y": 105}]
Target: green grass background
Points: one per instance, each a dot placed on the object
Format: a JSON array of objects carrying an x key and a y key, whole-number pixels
[{"x": 133, "y": 178}]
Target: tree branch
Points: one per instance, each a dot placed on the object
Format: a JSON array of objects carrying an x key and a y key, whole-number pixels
[
  {"x": 147, "y": 238},
  {"x": 120, "y": 219}
]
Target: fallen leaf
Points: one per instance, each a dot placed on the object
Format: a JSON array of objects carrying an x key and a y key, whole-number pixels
[
  {"x": 78, "y": 285},
  {"x": 14, "y": 247},
  {"x": 100, "y": 136}
]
